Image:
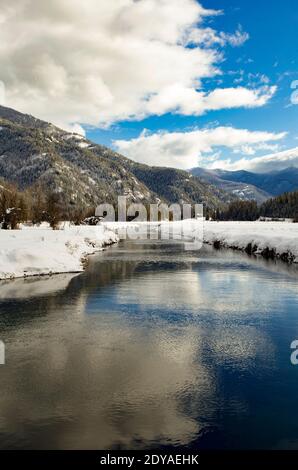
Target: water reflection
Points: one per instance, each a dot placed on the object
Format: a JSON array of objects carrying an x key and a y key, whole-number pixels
[
  {"x": 150, "y": 347},
  {"x": 34, "y": 286}
]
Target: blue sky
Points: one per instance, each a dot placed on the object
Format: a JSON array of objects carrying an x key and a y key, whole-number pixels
[
  {"x": 270, "y": 52},
  {"x": 177, "y": 83}
]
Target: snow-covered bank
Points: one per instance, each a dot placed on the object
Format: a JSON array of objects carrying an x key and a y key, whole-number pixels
[
  {"x": 270, "y": 239},
  {"x": 42, "y": 251},
  {"x": 39, "y": 251}
]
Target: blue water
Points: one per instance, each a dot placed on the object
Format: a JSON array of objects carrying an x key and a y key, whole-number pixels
[{"x": 151, "y": 347}]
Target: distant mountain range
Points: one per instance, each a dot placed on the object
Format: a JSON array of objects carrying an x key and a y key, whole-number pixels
[
  {"x": 35, "y": 153},
  {"x": 247, "y": 185}
]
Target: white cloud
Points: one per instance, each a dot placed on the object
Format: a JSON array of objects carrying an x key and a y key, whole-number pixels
[
  {"x": 237, "y": 39},
  {"x": 92, "y": 62},
  {"x": 189, "y": 149},
  {"x": 188, "y": 101},
  {"x": 271, "y": 162},
  {"x": 252, "y": 150},
  {"x": 209, "y": 37}
]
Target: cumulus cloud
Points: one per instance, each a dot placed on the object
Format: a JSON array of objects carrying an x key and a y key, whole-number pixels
[
  {"x": 93, "y": 62},
  {"x": 188, "y": 101},
  {"x": 272, "y": 162},
  {"x": 253, "y": 149},
  {"x": 188, "y": 149}
]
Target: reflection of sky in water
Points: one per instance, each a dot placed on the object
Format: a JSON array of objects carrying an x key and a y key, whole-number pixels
[{"x": 144, "y": 350}]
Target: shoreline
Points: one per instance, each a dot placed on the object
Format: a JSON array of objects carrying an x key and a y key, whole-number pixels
[
  {"x": 266, "y": 253},
  {"x": 271, "y": 240},
  {"x": 40, "y": 251}
]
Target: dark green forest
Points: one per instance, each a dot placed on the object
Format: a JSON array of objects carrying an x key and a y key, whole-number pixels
[{"x": 284, "y": 206}]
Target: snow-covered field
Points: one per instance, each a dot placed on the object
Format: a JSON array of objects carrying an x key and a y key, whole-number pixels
[
  {"x": 279, "y": 237},
  {"x": 36, "y": 251}
]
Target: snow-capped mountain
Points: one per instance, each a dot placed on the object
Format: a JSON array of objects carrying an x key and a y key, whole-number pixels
[
  {"x": 251, "y": 186},
  {"x": 36, "y": 153}
]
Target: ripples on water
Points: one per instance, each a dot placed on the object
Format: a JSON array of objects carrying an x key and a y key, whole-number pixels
[{"x": 152, "y": 346}]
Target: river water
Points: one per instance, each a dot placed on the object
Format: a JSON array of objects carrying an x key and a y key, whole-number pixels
[{"x": 151, "y": 347}]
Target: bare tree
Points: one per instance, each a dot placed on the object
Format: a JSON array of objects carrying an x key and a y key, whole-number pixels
[
  {"x": 38, "y": 205},
  {"x": 13, "y": 207}
]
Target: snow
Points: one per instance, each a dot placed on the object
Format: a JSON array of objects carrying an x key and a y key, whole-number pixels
[
  {"x": 281, "y": 237},
  {"x": 83, "y": 145},
  {"x": 42, "y": 251}
]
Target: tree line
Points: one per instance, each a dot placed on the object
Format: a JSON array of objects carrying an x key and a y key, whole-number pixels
[
  {"x": 37, "y": 206},
  {"x": 284, "y": 206}
]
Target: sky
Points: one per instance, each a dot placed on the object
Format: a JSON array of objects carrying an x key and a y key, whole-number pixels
[{"x": 177, "y": 83}]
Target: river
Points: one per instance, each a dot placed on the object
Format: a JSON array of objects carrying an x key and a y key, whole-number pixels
[{"x": 151, "y": 347}]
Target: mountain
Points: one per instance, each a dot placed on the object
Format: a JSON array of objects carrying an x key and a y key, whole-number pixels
[
  {"x": 274, "y": 183},
  {"x": 242, "y": 190},
  {"x": 34, "y": 153},
  {"x": 174, "y": 185},
  {"x": 250, "y": 185}
]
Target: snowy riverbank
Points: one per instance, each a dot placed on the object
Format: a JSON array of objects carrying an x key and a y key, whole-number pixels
[
  {"x": 42, "y": 251},
  {"x": 269, "y": 239},
  {"x": 39, "y": 251}
]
